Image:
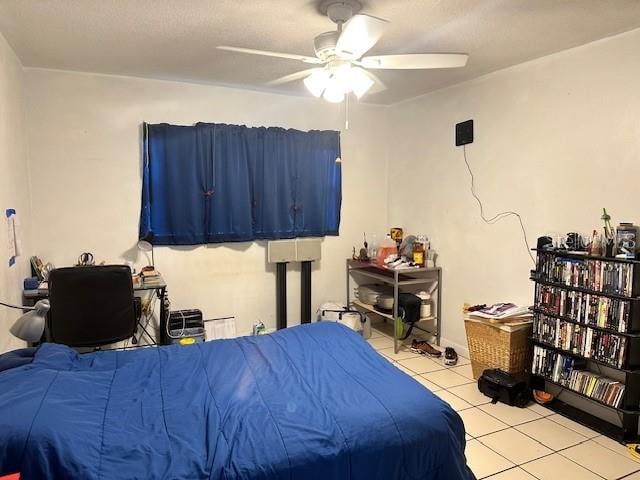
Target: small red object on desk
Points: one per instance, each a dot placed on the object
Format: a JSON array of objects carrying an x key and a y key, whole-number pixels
[{"x": 13, "y": 476}]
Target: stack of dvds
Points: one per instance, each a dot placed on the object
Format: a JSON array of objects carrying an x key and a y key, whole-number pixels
[
  {"x": 601, "y": 388},
  {"x": 545, "y": 329},
  {"x": 552, "y": 365},
  {"x": 587, "y": 308},
  {"x": 581, "y": 340},
  {"x": 596, "y": 275},
  {"x": 564, "y": 370}
]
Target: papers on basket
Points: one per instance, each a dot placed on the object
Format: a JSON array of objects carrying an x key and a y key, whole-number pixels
[
  {"x": 507, "y": 314},
  {"x": 501, "y": 311},
  {"x": 518, "y": 323}
]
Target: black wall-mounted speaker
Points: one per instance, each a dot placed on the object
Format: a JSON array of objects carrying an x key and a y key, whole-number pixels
[{"x": 464, "y": 133}]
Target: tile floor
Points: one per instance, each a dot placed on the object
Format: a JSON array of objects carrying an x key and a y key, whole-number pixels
[{"x": 509, "y": 443}]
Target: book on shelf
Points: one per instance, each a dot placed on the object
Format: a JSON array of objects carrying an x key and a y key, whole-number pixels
[
  {"x": 593, "y": 274},
  {"x": 607, "y": 348},
  {"x": 570, "y": 373},
  {"x": 587, "y": 308}
]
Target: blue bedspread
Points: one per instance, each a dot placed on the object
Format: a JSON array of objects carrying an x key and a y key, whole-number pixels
[{"x": 310, "y": 402}]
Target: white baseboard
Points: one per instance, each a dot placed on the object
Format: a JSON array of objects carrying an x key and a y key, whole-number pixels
[{"x": 462, "y": 350}]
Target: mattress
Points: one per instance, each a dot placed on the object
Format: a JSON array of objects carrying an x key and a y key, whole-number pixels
[{"x": 309, "y": 402}]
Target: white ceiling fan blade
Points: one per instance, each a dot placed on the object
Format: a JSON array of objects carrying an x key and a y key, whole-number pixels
[
  {"x": 378, "y": 85},
  {"x": 267, "y": 53},
  {"x": 416, "y": 61},
  {"x": 292, "y": 77},
  {"x": 359, "y": 34}
]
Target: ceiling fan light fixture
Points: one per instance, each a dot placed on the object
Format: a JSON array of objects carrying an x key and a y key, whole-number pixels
[
  {"x": 333, "y": 96},
  {"x": 342, "y": 66},
  {"x": 316, "y": 83},
  {"x": 359, "y": 82},
  {"x": 338, "y": 80},
  {"x": 335, "y": 91}
]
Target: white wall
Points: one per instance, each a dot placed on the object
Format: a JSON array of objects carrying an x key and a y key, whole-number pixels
[
  {"x": 14, "y": 188},
  {"x": 556, "y": 139},
  {"x": 84, "y": 137}
]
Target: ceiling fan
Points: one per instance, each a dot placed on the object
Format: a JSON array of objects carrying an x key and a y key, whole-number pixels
[{"x": 341, "y": 67}]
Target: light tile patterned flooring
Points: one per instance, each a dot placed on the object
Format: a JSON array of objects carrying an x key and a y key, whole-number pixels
[{"x": 510, "y": 443}]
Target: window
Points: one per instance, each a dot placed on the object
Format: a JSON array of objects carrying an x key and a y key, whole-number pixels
[{"x": 213, "y": 183}]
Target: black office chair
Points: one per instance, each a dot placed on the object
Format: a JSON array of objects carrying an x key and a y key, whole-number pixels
[{"x": 91, "y": 306}]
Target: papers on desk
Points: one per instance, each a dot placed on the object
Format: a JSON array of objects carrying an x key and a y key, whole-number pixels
[
  {"x": 149, "y": 272},
  {"x": 152, "y": 281},
  {"x": 151, "y": 278}
]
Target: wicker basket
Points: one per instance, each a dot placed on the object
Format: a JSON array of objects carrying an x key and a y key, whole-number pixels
[{"x": 492, "y": 347}]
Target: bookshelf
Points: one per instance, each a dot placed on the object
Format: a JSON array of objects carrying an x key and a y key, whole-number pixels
[{"x": 586, "y": 337}]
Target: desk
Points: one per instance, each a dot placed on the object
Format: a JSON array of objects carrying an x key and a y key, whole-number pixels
[{"x": 30, "y": 297}]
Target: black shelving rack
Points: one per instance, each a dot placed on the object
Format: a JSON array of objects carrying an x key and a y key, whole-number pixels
[{"x": 628, "y": 412}]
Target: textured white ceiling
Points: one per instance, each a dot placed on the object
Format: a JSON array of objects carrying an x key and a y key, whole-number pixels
[{"x": 176, "y": 39}]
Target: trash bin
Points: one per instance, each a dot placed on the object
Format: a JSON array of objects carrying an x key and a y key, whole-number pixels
[{"x": 353, "y": 319}]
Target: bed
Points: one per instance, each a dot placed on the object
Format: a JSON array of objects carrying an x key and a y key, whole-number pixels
[{"x": 309, "y": 402}]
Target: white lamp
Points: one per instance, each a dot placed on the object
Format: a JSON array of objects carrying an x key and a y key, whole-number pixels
[
  {"x": 30, "y": 326},
  {"x": 145, "y": 246}
]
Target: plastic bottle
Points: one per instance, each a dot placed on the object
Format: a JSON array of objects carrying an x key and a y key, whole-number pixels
[
  {"x": 366, "y": 328},
  {"x": 373, "y": 247},
  {"x": 419, "y": 252},
  {"x": 387, "y": 247}
]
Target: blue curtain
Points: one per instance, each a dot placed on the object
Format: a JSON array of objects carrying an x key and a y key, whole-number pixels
[
  {"x": 174, "y": 186},
  {"x": 213, "y": 183}
]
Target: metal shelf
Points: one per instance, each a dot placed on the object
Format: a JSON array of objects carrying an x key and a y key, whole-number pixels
[
  {"x": 388, "y": 275},
  {"x": 371, "y": 308},
  {"x": 358, "y": 304},
  {"x": 398, "y": 278}
]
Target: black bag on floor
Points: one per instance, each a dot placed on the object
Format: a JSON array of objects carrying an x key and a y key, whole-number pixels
[{"x": 503, "y": 387}]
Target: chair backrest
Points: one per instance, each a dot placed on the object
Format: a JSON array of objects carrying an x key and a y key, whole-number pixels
[{"x": 91, "y": 306}]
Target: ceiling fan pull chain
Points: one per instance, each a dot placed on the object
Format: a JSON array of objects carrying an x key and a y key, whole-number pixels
[{"x": 346, "y": 113}]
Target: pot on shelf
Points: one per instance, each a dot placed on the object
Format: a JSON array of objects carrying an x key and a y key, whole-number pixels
[{"x": 385, "y": 301}]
